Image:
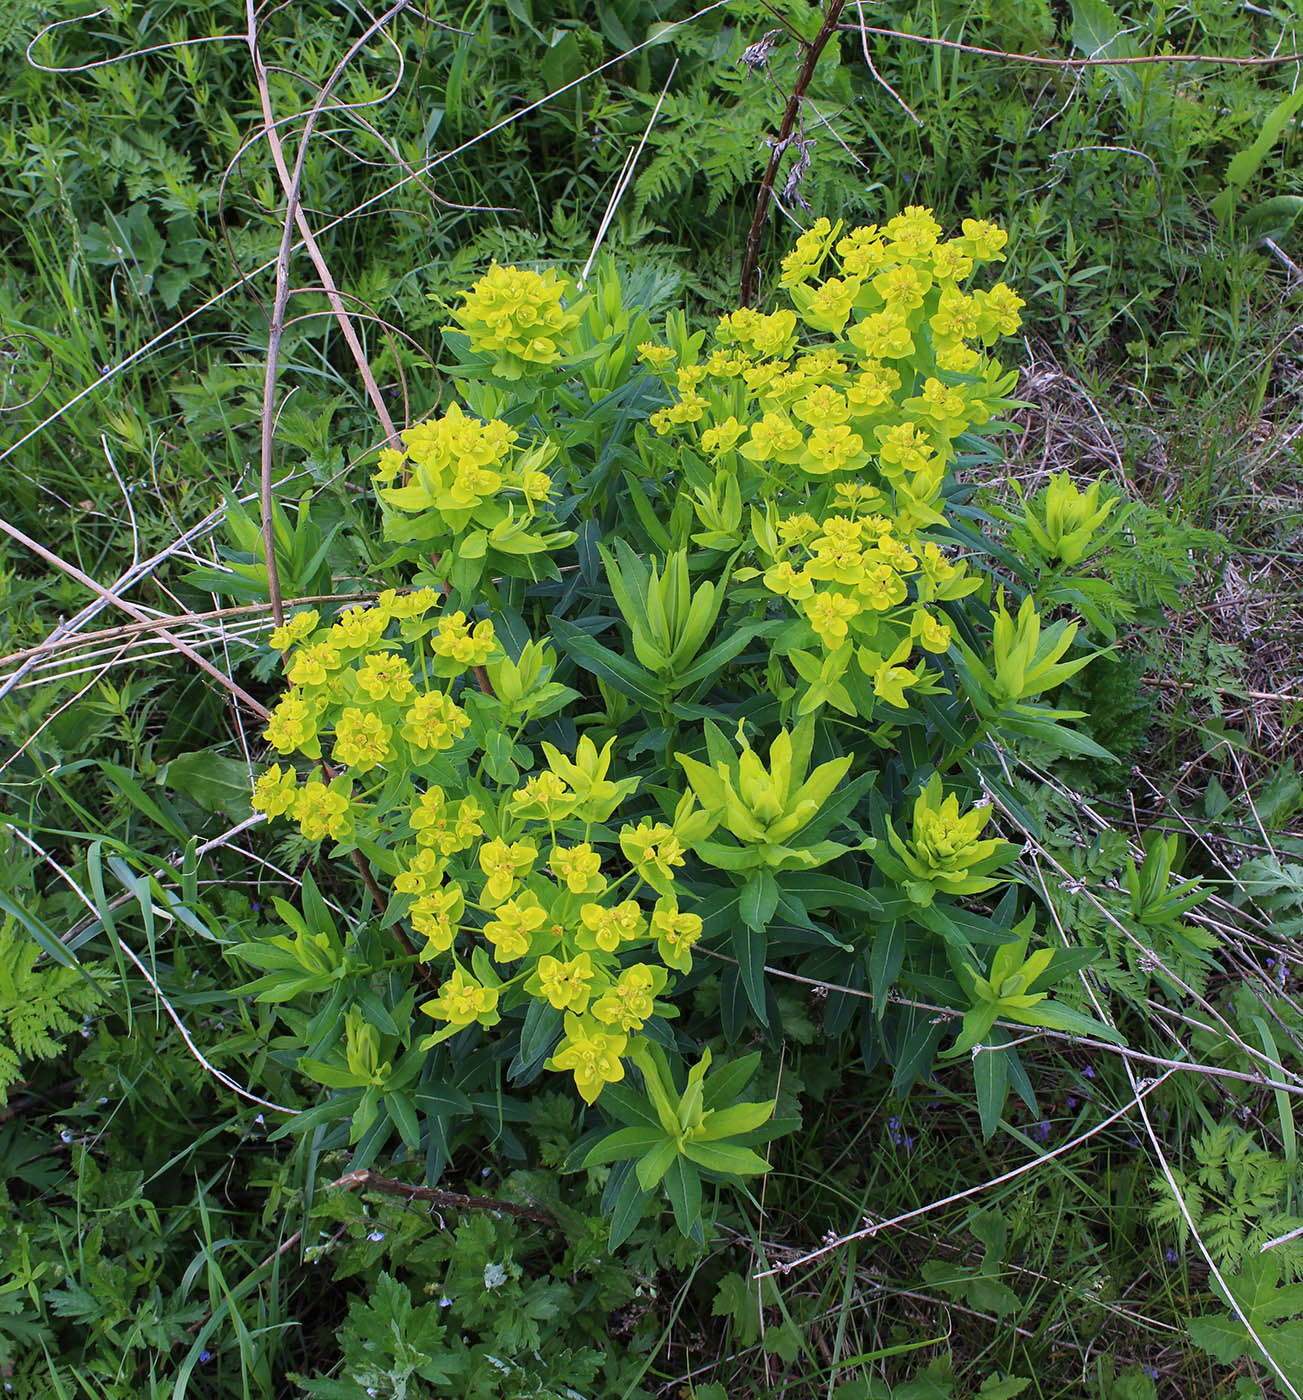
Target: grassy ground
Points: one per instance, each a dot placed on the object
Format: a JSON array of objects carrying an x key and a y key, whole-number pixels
[{"x": 162, "y": 1242}]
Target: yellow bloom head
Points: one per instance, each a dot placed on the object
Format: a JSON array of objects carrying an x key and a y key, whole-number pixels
[
  {"x": 519, "y": 318},
  {"x": 591, "y": 1053}
]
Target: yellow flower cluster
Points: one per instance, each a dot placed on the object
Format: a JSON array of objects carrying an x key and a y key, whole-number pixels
[
  {"x": 535, "y": 906},
  {"x": 867, "y": 593},
  {"x": 531, "y": 896},
  {"x": 457, "y": 463},
  {"x": 519, "y": 318},
  {"x": 838, "y": 419},
  {"x": 869, "y": 421},
  {"x": 377, "y": 700},
  {"x": 945, "y": 852}
]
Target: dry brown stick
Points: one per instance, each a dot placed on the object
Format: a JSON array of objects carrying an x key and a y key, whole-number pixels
[
  {"x": 139, "y": 614},
  {"x": 292, "y": 183},
  {"x": 385, "y": 1185},
  {"x": 447, "y": 1200},
  {"x": 1042, "y": 61},
  {"x": 751, "y": 259},
  {"x": 76, "y": 641},
  {"x": 1280, "y": 696}
]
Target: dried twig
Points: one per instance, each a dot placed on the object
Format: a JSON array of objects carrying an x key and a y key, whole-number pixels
[
  {"x": 136, "y": 632},
  {"x": 439, "y": 1199},
  {"x": 294, "y": 216},
  {"x": 139, "y": 613},
  {"x": 868, "y": 60},
  {"x": 1041, "y": 61},
  {"x": 874, "y": 1227},
  {"x": 751, "y": 259}
]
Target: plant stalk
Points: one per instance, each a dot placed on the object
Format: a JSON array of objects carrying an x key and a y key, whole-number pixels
[{"x": 751, "y": 259}]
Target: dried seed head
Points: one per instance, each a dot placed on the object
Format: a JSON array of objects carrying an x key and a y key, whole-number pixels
[{"x": 757, "y": 55}]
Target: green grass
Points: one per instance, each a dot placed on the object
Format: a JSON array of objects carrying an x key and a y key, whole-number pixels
[{"x": 160, "y": 1243}]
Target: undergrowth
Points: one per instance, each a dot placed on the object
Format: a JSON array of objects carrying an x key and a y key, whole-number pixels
[{"x": 162, "y": 1237}]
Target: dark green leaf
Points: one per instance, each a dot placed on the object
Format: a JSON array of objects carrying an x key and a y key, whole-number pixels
[
  {"x": 758, "y": 900},
  {"x": 626, "y": 676},
  {"x": 683, "y": 1187},
  {"x": 750, "y": 948}
]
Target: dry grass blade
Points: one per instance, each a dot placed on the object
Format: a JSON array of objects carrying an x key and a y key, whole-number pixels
[
  {"x": 112, "y": 599},
  {"x": 294, "y": 215},
  {"x": 625, "y": 178},
  {"x": 225, "y": 1079},
  {"x": 1044, "y": 61},
  {"x": 1143, "y": 1087},
  {"x": 251, "y": 617},
  {"x": 364, "y": 206}
]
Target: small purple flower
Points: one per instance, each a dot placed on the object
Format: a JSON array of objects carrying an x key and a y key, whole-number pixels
[
  {"x": 1088, "y": 1072},
  {"x": 1041, "y": 1131},
  {"x": 1072, "y": 1101},
  {"x": 1170, "y": 1255},
  {"x": 205, "y": 1357},
  {"x": 1152, "y": 1372},
  {"x": 376, "y": 1236},
  {"x": 897, "y": 1134}
]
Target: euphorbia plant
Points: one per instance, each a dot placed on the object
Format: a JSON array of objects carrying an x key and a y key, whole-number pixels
[{"x": 682, "y": 640}]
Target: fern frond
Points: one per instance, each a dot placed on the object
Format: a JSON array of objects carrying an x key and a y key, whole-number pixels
[{"x": 39, "y": 1007}]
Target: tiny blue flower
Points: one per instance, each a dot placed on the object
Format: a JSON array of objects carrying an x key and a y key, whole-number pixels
[
  {"x": 376, "y": 1236},
  {"x": 897, "y": 1134},
  {"x": 1170, "y": 1255},
  {"x": 1088, "y": 1072},
  {"x": 1041, "y": 1131},
  {"x": 205, "y": 1357}
]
